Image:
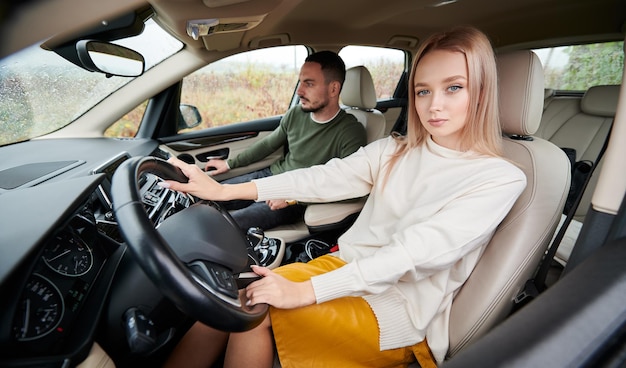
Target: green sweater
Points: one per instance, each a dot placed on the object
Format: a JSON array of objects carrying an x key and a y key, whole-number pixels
[{"x": 309, "y": 143}]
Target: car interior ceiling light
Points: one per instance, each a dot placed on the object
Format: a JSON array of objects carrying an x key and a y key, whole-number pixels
[{"x": 200, "y": 27}]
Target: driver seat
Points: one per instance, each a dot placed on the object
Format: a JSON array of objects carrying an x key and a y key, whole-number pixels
[{"x": 518, "y": 245}]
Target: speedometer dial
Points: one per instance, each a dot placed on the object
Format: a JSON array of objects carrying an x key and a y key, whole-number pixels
[
  {"x": 40, "y": 309},
  {"x": 68, "y": 255}
]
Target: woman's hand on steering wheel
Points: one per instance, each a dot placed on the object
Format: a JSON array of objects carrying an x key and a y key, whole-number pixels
[
  {"x": 203, "y": 186},
  {"x": 199, "y": 185}
]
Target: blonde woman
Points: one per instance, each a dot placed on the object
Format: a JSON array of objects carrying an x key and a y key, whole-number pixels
[{"x": 435, "y": 199}]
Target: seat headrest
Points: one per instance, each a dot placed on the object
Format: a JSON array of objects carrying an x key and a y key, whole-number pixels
[
  {"x": 358, "y": 89},
  {"x": 600, "y": 100},
  {"x": 521, "y": 92}
]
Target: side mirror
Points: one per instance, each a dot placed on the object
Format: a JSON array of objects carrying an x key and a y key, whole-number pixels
[
  {"x": 109, "y": 58},
  {"x": 191, "y": 117}
]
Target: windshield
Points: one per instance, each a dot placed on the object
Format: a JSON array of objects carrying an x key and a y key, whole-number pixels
[{"x": 41, "y": 92}]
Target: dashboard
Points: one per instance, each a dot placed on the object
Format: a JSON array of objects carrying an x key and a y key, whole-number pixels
[
  {"x": 60, "y": 282},
  {"x": 64, "y": 273},
  {"x": 62, "y": 255}
]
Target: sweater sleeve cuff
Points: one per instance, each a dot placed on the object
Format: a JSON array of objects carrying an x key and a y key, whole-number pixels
[
  {"x": 272, "y": 187},
  {"x": 335, "y": 284}
]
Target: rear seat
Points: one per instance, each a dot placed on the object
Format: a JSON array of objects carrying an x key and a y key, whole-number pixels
[{"x": 581, "y": 123}]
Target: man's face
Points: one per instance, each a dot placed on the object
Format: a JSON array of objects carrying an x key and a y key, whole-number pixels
[{"x": 313, "y": 89}]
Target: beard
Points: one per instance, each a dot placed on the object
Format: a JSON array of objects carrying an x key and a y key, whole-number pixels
[{"x": 315, "y": 108}]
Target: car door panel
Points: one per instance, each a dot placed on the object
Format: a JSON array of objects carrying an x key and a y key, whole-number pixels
[{"x": 224, "y": 142}]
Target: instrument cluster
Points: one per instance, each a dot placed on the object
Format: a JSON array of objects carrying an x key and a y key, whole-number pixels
[
  {"x": 47, "y": 309},
  {"x": 59, "y": 283}
]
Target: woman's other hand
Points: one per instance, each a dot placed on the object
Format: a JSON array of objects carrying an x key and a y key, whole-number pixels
[{"x": 279, "y": 292}]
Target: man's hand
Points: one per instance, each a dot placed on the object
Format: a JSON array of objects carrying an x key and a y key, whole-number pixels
[
  {"x": 279, "y": 292},
  {"x": 277, "y": 204},
  {"x": 216, "y": 166}
]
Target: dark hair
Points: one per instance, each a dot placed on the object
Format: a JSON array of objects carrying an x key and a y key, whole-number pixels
[{"x": 333, "y": 67}]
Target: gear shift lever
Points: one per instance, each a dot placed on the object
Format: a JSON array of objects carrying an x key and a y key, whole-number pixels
[
  {"x": 265, "y": 248},
  {"x": 260, "y": 244},
  {"x": 255, "y": 233}
]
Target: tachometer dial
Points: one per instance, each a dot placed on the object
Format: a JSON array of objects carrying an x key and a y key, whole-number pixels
[
  {"x": 40, "y": 309},
  {"x": 68, "y": 255}
]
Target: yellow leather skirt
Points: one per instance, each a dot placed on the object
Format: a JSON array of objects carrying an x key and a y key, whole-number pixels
[{"x": 338, "y": 333}]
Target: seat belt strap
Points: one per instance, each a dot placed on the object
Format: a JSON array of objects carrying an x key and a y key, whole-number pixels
[{"x": 536, "y": 285}]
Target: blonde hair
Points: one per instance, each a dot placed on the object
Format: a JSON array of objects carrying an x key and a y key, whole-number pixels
[{"x": 482, "y": 133}]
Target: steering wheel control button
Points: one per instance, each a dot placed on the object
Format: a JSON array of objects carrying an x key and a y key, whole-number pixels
[
  {"x": 217, "y": 277},
  {"x": 150, "y": 199},
  {"x": 140, "y": 331}
]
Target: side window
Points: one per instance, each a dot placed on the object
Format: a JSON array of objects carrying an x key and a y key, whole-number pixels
[
  {"x": 384, "y": 64},
  {"x": 576, "y": 68},
  {"x": 128, "y": 125},
  {"x": 252, "y": 85}
]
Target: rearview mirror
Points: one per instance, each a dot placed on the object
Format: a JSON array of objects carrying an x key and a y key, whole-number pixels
[{"x": 109, "y": 58}]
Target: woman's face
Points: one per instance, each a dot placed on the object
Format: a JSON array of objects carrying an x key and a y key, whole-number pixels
[{"x": 442, "y": 96}]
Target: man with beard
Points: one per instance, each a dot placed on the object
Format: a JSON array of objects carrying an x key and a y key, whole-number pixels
[{"x": 313, "y": 132}]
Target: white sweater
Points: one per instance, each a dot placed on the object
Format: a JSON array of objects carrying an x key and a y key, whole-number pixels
[{"x": 416, "y": 240}]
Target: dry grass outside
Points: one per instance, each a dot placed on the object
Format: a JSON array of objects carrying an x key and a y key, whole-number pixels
[{"x": 246, "y": 94}]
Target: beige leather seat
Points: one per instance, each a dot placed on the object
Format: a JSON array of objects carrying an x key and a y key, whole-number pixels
[
  {"x": 359, "y": 99},
  {"x": 359, "y": 96},
  {"x": 582, "y": 124},
  {"x": 516, "y": 249},
  {"x": 518, "y": 245}
]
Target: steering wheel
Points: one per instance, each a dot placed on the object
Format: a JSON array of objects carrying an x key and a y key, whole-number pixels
[{"x": 196, "y": 255}]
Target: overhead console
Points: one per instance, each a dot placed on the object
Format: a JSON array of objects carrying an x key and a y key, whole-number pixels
[{"x": 219, "y": 24}]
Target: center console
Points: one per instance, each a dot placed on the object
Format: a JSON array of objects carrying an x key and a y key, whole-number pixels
[{"x": 269, "y": 250}]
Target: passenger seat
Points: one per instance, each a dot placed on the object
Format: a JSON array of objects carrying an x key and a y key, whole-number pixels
[
  {"x": 581, "y": 124},
  {"x": 358, "y": 97}
]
